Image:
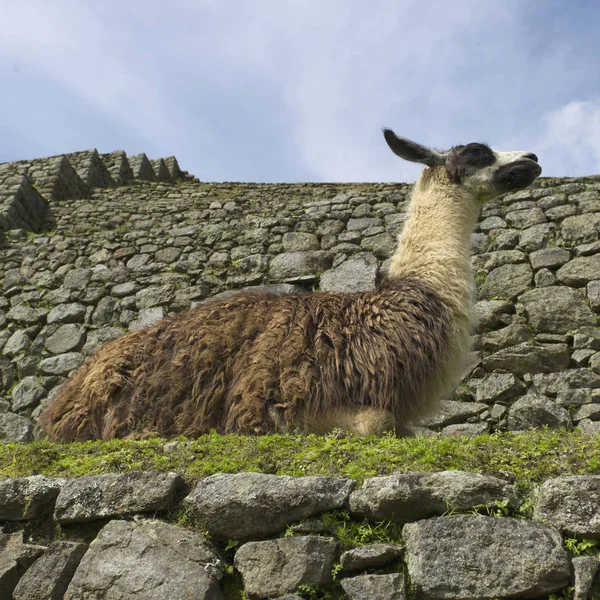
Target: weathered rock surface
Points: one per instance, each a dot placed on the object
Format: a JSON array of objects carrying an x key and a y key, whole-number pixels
[
  {"x": 439, "y": 567},
  {"x": 93, "y": 497},
  {"x": 24, "y": 498},
  {"x": 277, "y": 567},
  {"x": 149, "y": 560},
  {"x": 412, "y": 496},
  {"x": 357, "y": 274},
  {"x": 249, "y": 505},
  {"x": 49, "y": 576},
  {"x": 529, "y": 357},
  {"x": 372, "y": 555},
  {"x": 450, "y": 412},
  {"x": 584, "y": 571},
  {"x": 370, "y": 587},
  {"x": 557, "y": 309},
  {"x": 535, "y": 411},
  {"x": 570, "y": 504},
  {"x": 16, "y": 557}
]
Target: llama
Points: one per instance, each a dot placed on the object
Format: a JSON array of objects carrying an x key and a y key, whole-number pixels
[{"x": 258, "y": 363}]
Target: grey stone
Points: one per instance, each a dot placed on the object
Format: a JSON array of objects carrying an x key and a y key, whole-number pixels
[
  {"x": 580, "y": 229},
  {"x": 104, "y": 311},
  {"x": 412, "y": 496},
  {"x": 18, "y": 342},
  {"x": 138, "y": 262},
  {"x": 157, "y": 295},
  {"x": 372, "y": 555},
  {"x": 566, "y": 381},
  {"x": 588, "y": 427},
  {"x": 280, "y": 566},
  {"x": 27, "y": 393},
  {"x": 584, "y": 571},
  {"x": 505, "y": 337},
  {"x": 93, "y": 497},
  {"x": 479, "y": 243},
  {"x": 450, "y": 412},
  {"x": 98, "y": 337},
  {"x": 125, "y": 289},
  {"x": 499, "y": 258},
  {"x": 67, "y": 338},
  {"x": 533, "y": 411},
  {"x": 299, "y": 242},
  {"x": 295, "y": 264},
  {"x": 587, "y": 249},
  {"x": 25, "y": 498},
  {"x": 465, "y": 429},
  {"x": 529, "y": 357},
  {"x": 544, "y": 278},
  {"x": 587, "y": 337},
  {"x": 492, "y": 223},
  {"x": 148, "y": 317},
  {"x": 587, "y": 411},
  {"x": 489, "y": 312},
  {"x": 357, "y": 274},
  {"x": 168, "y": 255},
  {"x": 77, "y": 279},
  {"x": 557, "y": 309},
  {"x": 250, "y": 505},
  {"x": 61, "y": 364},
  {"x": 15, "y": 429},
  {"x": 370, "y": 587},
  {"x": 458, "y": 557},
  {"x": 27, "y": 315},
  {"x": 579, "y": 271},
  {"x": 361, "y": 224},
  {"x": 49, "y": 576},
  {"x": 66, "y": 313},
  {"x": 147, "y": 560},
  {"x": 549, "y": 258},
  {"x": 382, "y": 245},
  {"x": 570, "y": 504},
  {"x": 508, "y": 281},
  {"x": 536, "y": 237},
  {"x": 15, "y": 558},
  {"x": 521, "y": 219}
]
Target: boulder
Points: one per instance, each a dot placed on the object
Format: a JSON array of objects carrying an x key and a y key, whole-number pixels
[
  {"x": 253, "y": 505},
  {"x": 460, "y": 557},
  {"x": 24, "y": 498},
  {"x": 93, "y": 497},
  {"x": 49, "y": 576},
  {"x": 570, "y": 504},
  {"x": 147, "y": 560},
  {"x": 412, "y": 496},
  {"x": 389, "y": 586},
  {"x": 276, "y": 567}
]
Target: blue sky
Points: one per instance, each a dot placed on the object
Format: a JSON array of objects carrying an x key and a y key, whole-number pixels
[{"x": 298, "y": 90}]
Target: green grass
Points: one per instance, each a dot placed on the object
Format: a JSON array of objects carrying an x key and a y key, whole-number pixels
[{"x": 530, "y": 457}]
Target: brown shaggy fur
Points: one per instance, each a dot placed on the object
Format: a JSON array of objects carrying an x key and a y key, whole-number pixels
[{"x": 259, "y": 363}]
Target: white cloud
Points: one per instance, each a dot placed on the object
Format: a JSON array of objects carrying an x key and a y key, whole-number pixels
[{"x": 570, "y": 141}]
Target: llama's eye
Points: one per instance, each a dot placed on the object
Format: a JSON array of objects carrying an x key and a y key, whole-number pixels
[{"x": 477, "y": 155}]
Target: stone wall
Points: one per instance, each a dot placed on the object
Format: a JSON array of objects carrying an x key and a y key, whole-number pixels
[
  {"x": 93, "y": 246},
  {"x": 121, "y": 536}
]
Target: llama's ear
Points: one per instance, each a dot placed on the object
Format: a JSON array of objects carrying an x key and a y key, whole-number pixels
[{"x": 412, "y": 151}]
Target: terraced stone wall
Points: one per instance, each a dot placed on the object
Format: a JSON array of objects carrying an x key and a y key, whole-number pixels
[
  {"x": 94, "y": 246},
  {"x": 149, "y": 535}
]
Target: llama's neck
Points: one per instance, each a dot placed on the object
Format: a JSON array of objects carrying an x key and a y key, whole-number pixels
[{"x": 435, "y": 244}]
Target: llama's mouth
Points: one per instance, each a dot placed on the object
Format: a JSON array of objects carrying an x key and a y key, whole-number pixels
[{"x": 516, "y": 175}]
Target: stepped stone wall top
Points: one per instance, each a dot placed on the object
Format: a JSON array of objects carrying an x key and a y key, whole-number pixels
[{"x": 93, "y": 246}]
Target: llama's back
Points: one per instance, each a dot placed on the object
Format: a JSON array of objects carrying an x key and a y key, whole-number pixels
[{"x": 257, "y": 364}]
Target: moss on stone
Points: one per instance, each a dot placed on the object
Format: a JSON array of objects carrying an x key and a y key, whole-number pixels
[{"x": 530, "y": 457}]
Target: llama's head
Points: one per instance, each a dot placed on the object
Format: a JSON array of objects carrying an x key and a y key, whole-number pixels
[{"x": 482, "y": 171}]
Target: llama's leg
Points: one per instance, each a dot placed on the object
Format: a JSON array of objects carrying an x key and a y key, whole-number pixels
[{"x": 363, "y": 421}]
